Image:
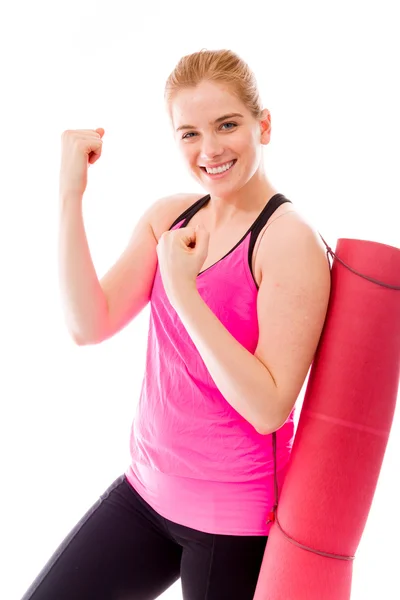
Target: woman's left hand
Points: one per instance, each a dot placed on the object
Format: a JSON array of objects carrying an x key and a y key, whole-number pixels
[{"x": 181, "y": 254}]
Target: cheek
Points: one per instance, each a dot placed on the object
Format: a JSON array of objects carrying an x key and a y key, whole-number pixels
[
  {"x": 186, "y": 154},
  {"x": 247, "y": 142},
  {"x": 189, "y": 157},
  {"x": 252, "y": 149}
]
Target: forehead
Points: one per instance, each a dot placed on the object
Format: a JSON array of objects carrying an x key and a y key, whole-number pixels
[{"x": 204, "y": 103}]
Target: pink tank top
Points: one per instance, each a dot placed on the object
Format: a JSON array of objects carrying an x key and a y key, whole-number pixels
[{"x": 194, "y": 458}]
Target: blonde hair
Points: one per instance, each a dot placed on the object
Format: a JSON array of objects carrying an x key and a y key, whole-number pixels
[{"x": 220, "y": 66}]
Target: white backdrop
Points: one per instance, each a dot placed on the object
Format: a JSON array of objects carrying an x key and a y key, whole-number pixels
[{"x": 328, "y": 74}]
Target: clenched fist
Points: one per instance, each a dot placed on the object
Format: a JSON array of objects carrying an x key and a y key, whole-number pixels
[{"x": 79, "y": 149}]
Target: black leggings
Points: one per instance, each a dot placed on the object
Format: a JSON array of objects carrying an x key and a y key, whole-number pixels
[{"x": 123, "y": 550}]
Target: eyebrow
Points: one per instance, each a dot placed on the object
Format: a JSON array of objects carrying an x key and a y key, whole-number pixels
[{"x": 229, "y": 116}]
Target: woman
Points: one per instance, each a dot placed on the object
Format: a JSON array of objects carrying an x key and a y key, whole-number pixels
[{"x": 237, "y": 310}]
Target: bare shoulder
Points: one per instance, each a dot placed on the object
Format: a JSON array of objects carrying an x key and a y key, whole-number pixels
[
  {"x": 167, "y": 209},
  {"x": 290, "y": 234},
  {"x": 287, "y": 222}
]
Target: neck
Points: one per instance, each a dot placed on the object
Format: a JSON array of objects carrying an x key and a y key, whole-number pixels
[{"x": 250, "y": 199}]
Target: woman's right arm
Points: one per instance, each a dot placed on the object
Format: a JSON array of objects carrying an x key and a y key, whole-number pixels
[{"x": 96, "y": 310}]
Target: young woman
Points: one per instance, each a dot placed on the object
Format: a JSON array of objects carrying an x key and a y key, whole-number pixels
[{"x": 237, "y": 310}]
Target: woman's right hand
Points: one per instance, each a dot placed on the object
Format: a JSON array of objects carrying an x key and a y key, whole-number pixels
[{"x": 79, "y": 149}]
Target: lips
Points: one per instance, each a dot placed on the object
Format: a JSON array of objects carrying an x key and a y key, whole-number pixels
[{"x": 220, "y": 165}]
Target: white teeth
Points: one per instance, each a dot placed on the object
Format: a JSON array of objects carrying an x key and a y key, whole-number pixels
[{"x": 220, "y": 169}]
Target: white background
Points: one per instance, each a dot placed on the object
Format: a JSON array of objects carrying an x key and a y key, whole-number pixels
[{"x": 329, "y": 74}]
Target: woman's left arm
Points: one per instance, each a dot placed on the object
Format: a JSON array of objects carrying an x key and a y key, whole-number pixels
[{"x": 292, "y": 304}]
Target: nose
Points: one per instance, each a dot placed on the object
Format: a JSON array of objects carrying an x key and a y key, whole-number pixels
[{"x": 211, "y": 147}]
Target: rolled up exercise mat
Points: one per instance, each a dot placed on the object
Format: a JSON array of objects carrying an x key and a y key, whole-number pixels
[{"x": 342, "y": 433}]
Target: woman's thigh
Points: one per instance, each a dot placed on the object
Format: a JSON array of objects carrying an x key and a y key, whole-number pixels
[
  {"x": 218, "y": 567},
  {"x": 119, "y": 550}
]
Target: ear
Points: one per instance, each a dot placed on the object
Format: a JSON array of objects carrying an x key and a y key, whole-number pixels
[{"x": 265, "y": 124}]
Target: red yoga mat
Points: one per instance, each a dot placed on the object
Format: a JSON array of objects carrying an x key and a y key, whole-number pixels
[{"x": 343, "y": 431}]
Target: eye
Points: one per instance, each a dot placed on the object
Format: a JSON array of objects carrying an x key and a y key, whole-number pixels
[
  {"x": 184, "y": 137},
  {"x": 229, "y": 123}
]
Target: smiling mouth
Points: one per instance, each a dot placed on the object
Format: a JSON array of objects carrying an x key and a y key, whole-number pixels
[{"x": 220, "y": 172}]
